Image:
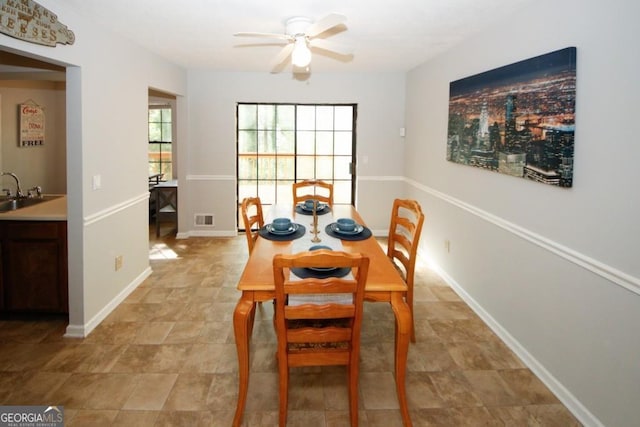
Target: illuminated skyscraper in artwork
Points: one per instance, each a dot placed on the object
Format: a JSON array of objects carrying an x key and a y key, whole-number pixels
[
  {"x": 483, "y": 127},
  {"x": 510, "y": 122}
]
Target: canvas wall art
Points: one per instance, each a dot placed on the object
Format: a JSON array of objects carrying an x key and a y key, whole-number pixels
[{"x": 518, "y": 119}]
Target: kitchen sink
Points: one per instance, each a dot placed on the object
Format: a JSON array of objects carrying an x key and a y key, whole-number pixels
[{"x": 7, "y": 205}]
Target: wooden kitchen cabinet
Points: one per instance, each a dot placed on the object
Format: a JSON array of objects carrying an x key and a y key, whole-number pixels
[{"x": 34, "y": 267}]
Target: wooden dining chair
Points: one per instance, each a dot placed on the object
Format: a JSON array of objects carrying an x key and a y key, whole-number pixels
[
  {"x": 319, "y": 333},
  {"x": 252, "y": 218},
  {"x": 313, "y": 189},
  {"x": 402, "y": 245}
]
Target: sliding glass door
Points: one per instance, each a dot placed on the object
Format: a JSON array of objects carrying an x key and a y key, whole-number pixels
[{"x": 279, "y": 144}]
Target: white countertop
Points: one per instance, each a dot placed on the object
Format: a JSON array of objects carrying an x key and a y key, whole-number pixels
[{"x": 50, "y": 210}]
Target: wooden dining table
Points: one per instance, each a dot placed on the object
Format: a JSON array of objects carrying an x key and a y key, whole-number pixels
[{"x": 384, "y": 284}]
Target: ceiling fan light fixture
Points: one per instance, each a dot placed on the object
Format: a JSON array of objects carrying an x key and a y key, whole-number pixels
[
  {"x": 300, "y": 34},
  {"x": 301, "y": 55}
]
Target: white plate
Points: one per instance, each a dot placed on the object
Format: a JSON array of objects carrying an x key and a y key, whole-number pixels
[
  {"x": 294, "y": 227},
  {"x": 359, "y": 228},
  {"x": 321, "y": 207}
]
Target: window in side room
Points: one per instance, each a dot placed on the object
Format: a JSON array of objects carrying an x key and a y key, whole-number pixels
[{"x": 160, "y": 128}]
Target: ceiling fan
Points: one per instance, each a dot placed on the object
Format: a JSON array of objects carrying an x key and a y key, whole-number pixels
[{"x": 301, "y": 34}]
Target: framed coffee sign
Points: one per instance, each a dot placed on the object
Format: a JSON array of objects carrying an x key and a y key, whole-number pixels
[
  {"x": 29, "y": 21},
  {"x": 31, "y": 125}
]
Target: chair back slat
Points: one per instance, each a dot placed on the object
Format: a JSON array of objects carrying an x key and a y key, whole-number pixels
[
  {"x": 316, "y": 311},
  {"x": 324, "y": 286},
  {"x": 311, "y": 335},
  {"x": 331, "y": 359},
  {"x": 313, "y": 189}
]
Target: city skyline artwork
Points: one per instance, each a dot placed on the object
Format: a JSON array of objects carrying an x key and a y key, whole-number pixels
[{"x": 518, "y": 120}]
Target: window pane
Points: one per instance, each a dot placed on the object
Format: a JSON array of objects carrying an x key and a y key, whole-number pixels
[
  {"x": 154, "y": 148},
  {"x": 158, "y": 155},
  {"x": 165, "y": 114},
  {"x": 166, "y": 132},
  {"x": 284, "y": 193},
  {"x": 267, "y": 192},
  {"x": 305, "y": 169},
  {"x": 154, "y": 115},
  {"x": 155, "y": 132},
  {"x": 341, "y": 192},
  {"x": 343, "y": 143},
  {"x": 324, "y": 143},
  {"x": 324, "y": 118},
  {"x": 266, "y": 116},
  {"x": 247, "y": 167},
  {"x": 286, "y": 142},
  {"x": 306, "y": 117},
  {"x": 286, "y": 168},
  {"x": 324, "y": 168},
  {"x": 266, "y": 168},
  {"x": 344, "y": 117},
  {"x": 342, "y": 167},
  {"x": 247, "y": 141},
  {"x": 286, "y": 117},
  {"x": 266, "y": 141},
  {"x": 154, "y": 168},
  {"x": 246, "y": 189},
  {"x": 306, "y": 142},
  {"x": 167, "y": 170},
  {"x": 247, "y": 116}
]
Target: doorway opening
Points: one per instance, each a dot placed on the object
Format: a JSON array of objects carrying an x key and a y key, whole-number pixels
[{"x": 162, "y": 162}]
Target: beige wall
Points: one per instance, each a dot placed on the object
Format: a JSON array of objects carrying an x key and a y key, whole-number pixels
[
  {"x": 553, "y": 270},
  {"x": 208, "y": 181},
  {"x": 42, "y": 165},
  {"x": 107, "y": 97}
]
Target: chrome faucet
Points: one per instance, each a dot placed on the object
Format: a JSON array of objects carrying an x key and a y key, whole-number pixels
[
  {"x": 18, "y": 189},
  {"x": 37, "y": 190}
]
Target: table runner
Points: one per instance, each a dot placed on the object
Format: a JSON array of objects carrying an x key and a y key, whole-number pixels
[{"x": 304, "y": 244}]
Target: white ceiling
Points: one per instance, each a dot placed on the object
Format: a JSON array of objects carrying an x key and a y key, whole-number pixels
[{"x": 384, "y": 35}]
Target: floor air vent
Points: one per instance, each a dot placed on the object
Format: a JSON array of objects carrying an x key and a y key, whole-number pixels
[{"x": 204, "y": 220}]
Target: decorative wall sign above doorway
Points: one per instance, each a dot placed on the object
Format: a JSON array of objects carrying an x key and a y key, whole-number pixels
[{"x": 27, "y": 20}]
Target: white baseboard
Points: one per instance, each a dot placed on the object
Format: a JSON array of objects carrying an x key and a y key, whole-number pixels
[
  {"x": 81, "y": 331},
  {"x": 560, "y": 391},
  {"x": 207, "y": 233},
  {"x": 74, "y": 331}
]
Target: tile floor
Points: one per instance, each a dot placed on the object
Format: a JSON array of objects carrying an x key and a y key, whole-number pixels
[{"x": 166, "y": 356}]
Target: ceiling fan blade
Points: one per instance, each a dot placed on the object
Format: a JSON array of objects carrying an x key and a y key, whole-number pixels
[
  {"x": 330, "y": 46},
  {"x": 281, "y": 56},
  {"x": 324, "y": 24},
  {"x": 264, "y": 35}
]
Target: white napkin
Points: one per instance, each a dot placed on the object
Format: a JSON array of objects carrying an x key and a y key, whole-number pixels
[{"x": 303, "y": 244}]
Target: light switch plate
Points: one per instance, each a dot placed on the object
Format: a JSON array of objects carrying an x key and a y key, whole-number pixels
[{"x": 96, "y": 182}]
